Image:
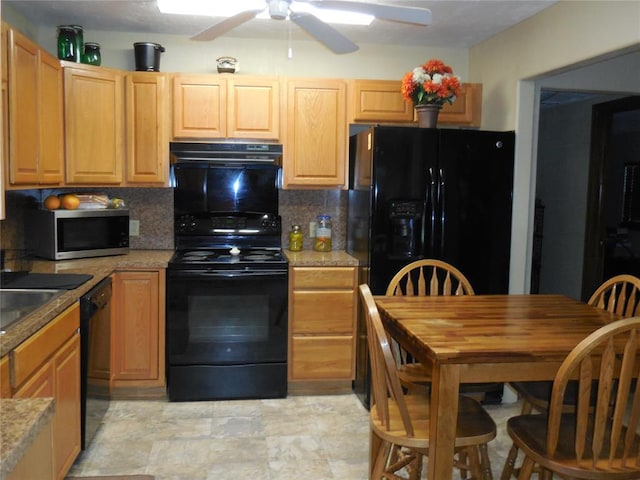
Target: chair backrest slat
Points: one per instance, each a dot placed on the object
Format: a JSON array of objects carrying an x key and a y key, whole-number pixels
[
  {"x": 619, "y": 294},
  {"x": 612, "y": 355},
  {"x": 429, "y": 277}
]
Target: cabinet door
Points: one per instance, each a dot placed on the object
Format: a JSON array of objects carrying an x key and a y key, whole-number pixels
[
  {"x": 466, "y": 110},
  {"x": 66, "y": 420},
  {"x": 253, "y": 108},
  {"x": 51, "y": 121},
  {"x": 94, "y": 122},
  {"x": 315, "y": 146},
  {"x": 147, "y": 126},
  {"x": 380, "y": 101},
  {"x": 23, "y": 109},
  {"x": 136, "y": 329},
  {"x": 36, "y": 147},
  {"x": 199, "y": 106}
]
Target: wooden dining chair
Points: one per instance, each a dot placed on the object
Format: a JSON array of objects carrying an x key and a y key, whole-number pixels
[
  {"x": 599, "y": 440},
  {"x": 400, "y": 422},
  {"x": 620, "y": 295},
  {"x": 427, "y": 277}
]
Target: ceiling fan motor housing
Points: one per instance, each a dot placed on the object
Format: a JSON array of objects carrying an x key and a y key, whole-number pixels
[{"x": 279, "y": 9}]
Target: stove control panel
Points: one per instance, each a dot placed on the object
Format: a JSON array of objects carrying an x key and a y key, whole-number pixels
[{"x": 232, "y": 224}]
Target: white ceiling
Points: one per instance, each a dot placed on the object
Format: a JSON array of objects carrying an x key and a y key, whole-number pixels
[{"x": 456, "y": 23}]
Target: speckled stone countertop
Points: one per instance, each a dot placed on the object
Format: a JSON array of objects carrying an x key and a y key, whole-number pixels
[
  {"x": 20, "y": 423},
  {"x": 99, "y": 267},
  {"x": 311, "y": 258}
]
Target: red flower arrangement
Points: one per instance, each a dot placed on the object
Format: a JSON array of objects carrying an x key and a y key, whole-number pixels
[{"x": 431, "y": 83}]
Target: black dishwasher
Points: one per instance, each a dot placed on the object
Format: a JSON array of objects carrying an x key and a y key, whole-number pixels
[{"x": 95, "y": 350}]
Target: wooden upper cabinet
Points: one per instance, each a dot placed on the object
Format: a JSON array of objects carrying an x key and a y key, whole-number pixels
[
  {"x": 147, "y": 111},
  {"x": 199, "y": 106},
  {"x": 226, "y": 106},
  {"x": 466, "y": 110},
  {"x": 94, "y": 110},
  {"x": 379, "y": 101},
  {"x": 253, "y": 107},
  {"x": 315, "y": 144},
  {"x": 35, "y": 119}
]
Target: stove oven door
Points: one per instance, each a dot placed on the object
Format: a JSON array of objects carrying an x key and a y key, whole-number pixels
[{"x": 226, "y": 334}]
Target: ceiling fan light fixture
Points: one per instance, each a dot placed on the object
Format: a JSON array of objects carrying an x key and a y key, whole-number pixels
[{"x": 279, "y": 9}]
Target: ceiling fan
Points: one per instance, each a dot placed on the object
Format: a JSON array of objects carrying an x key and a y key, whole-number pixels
[{"x": 321, "y": 31}]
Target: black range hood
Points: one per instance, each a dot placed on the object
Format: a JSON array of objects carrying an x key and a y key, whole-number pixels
[{"x": 226, "y": 152}]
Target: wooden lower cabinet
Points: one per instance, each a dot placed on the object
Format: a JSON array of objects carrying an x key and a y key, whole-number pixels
[
  {"x": 321, "y": 329},
  {"x": 37, "y": 461},
  {"x": 137, "y": 334},
  {"x": 48, "y": 365},
  {"x": 5, "y": 384}
]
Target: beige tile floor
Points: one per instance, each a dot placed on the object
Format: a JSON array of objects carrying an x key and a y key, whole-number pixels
[{"x": 300, "y": 437}]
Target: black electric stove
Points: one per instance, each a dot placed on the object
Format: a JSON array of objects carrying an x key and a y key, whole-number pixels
[{"x": 227, "y": 282}]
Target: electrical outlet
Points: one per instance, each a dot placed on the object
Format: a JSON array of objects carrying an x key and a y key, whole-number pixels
[{"x": 134, "y": 228}]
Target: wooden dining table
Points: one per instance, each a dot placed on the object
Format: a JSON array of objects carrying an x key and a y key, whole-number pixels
[{"x": 483, "y": 338}]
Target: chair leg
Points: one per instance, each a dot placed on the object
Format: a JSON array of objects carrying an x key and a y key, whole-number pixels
[
  {"x": 526, "y": 469},
  {"x": 485, "y": 462},
  {"x": 509, "y": 463},
  {"x": 463, "y": 462},
  {"x": 380, "y": 460}
]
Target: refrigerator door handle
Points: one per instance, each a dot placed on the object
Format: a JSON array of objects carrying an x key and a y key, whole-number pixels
[
  {"x": 431, "y": 198},
  {"x": 441, "y": 195}
]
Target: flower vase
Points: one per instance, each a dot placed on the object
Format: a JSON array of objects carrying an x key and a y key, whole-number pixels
[{"x": 428, "y": 115}]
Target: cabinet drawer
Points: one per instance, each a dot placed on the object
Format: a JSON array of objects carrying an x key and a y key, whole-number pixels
[
  {"x": 326, "y": 312},
  {"x": 5, "y": 386},
  {"x": 322, "y": 358},
  {"x": 325, "y": 277},
  {"x": 30, "y": 354}
]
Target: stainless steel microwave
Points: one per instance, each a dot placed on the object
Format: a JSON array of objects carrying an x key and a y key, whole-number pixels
[{"x": 65, "y": 234}]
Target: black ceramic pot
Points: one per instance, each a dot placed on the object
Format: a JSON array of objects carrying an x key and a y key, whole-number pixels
[{"x": 147, "y": 56}]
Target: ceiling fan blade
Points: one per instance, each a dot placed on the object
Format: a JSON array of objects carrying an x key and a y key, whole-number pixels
[
  {"x": 394, "y": 13},
  {"x": 226, "y": 25},
  {"x": 328, "y": 36}
]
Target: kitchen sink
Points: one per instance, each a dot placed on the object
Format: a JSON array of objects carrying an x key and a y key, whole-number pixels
[{"x": 16, "y": 303}]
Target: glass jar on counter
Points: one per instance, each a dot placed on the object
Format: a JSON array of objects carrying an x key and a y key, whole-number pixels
[
  {"x": 295, "y": 238},
  {"x": 323, "y": 234},
  {"x": 91, "y": 54}
]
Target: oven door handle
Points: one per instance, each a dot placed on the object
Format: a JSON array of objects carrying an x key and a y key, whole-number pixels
[{"x": 228, "y": 273}]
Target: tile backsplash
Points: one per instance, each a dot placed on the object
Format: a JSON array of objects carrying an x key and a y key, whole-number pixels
[{"x": 153, "y": 208}]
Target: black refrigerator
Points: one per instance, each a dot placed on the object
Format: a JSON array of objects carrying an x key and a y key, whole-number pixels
[{"x": 428, "y": 193}]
